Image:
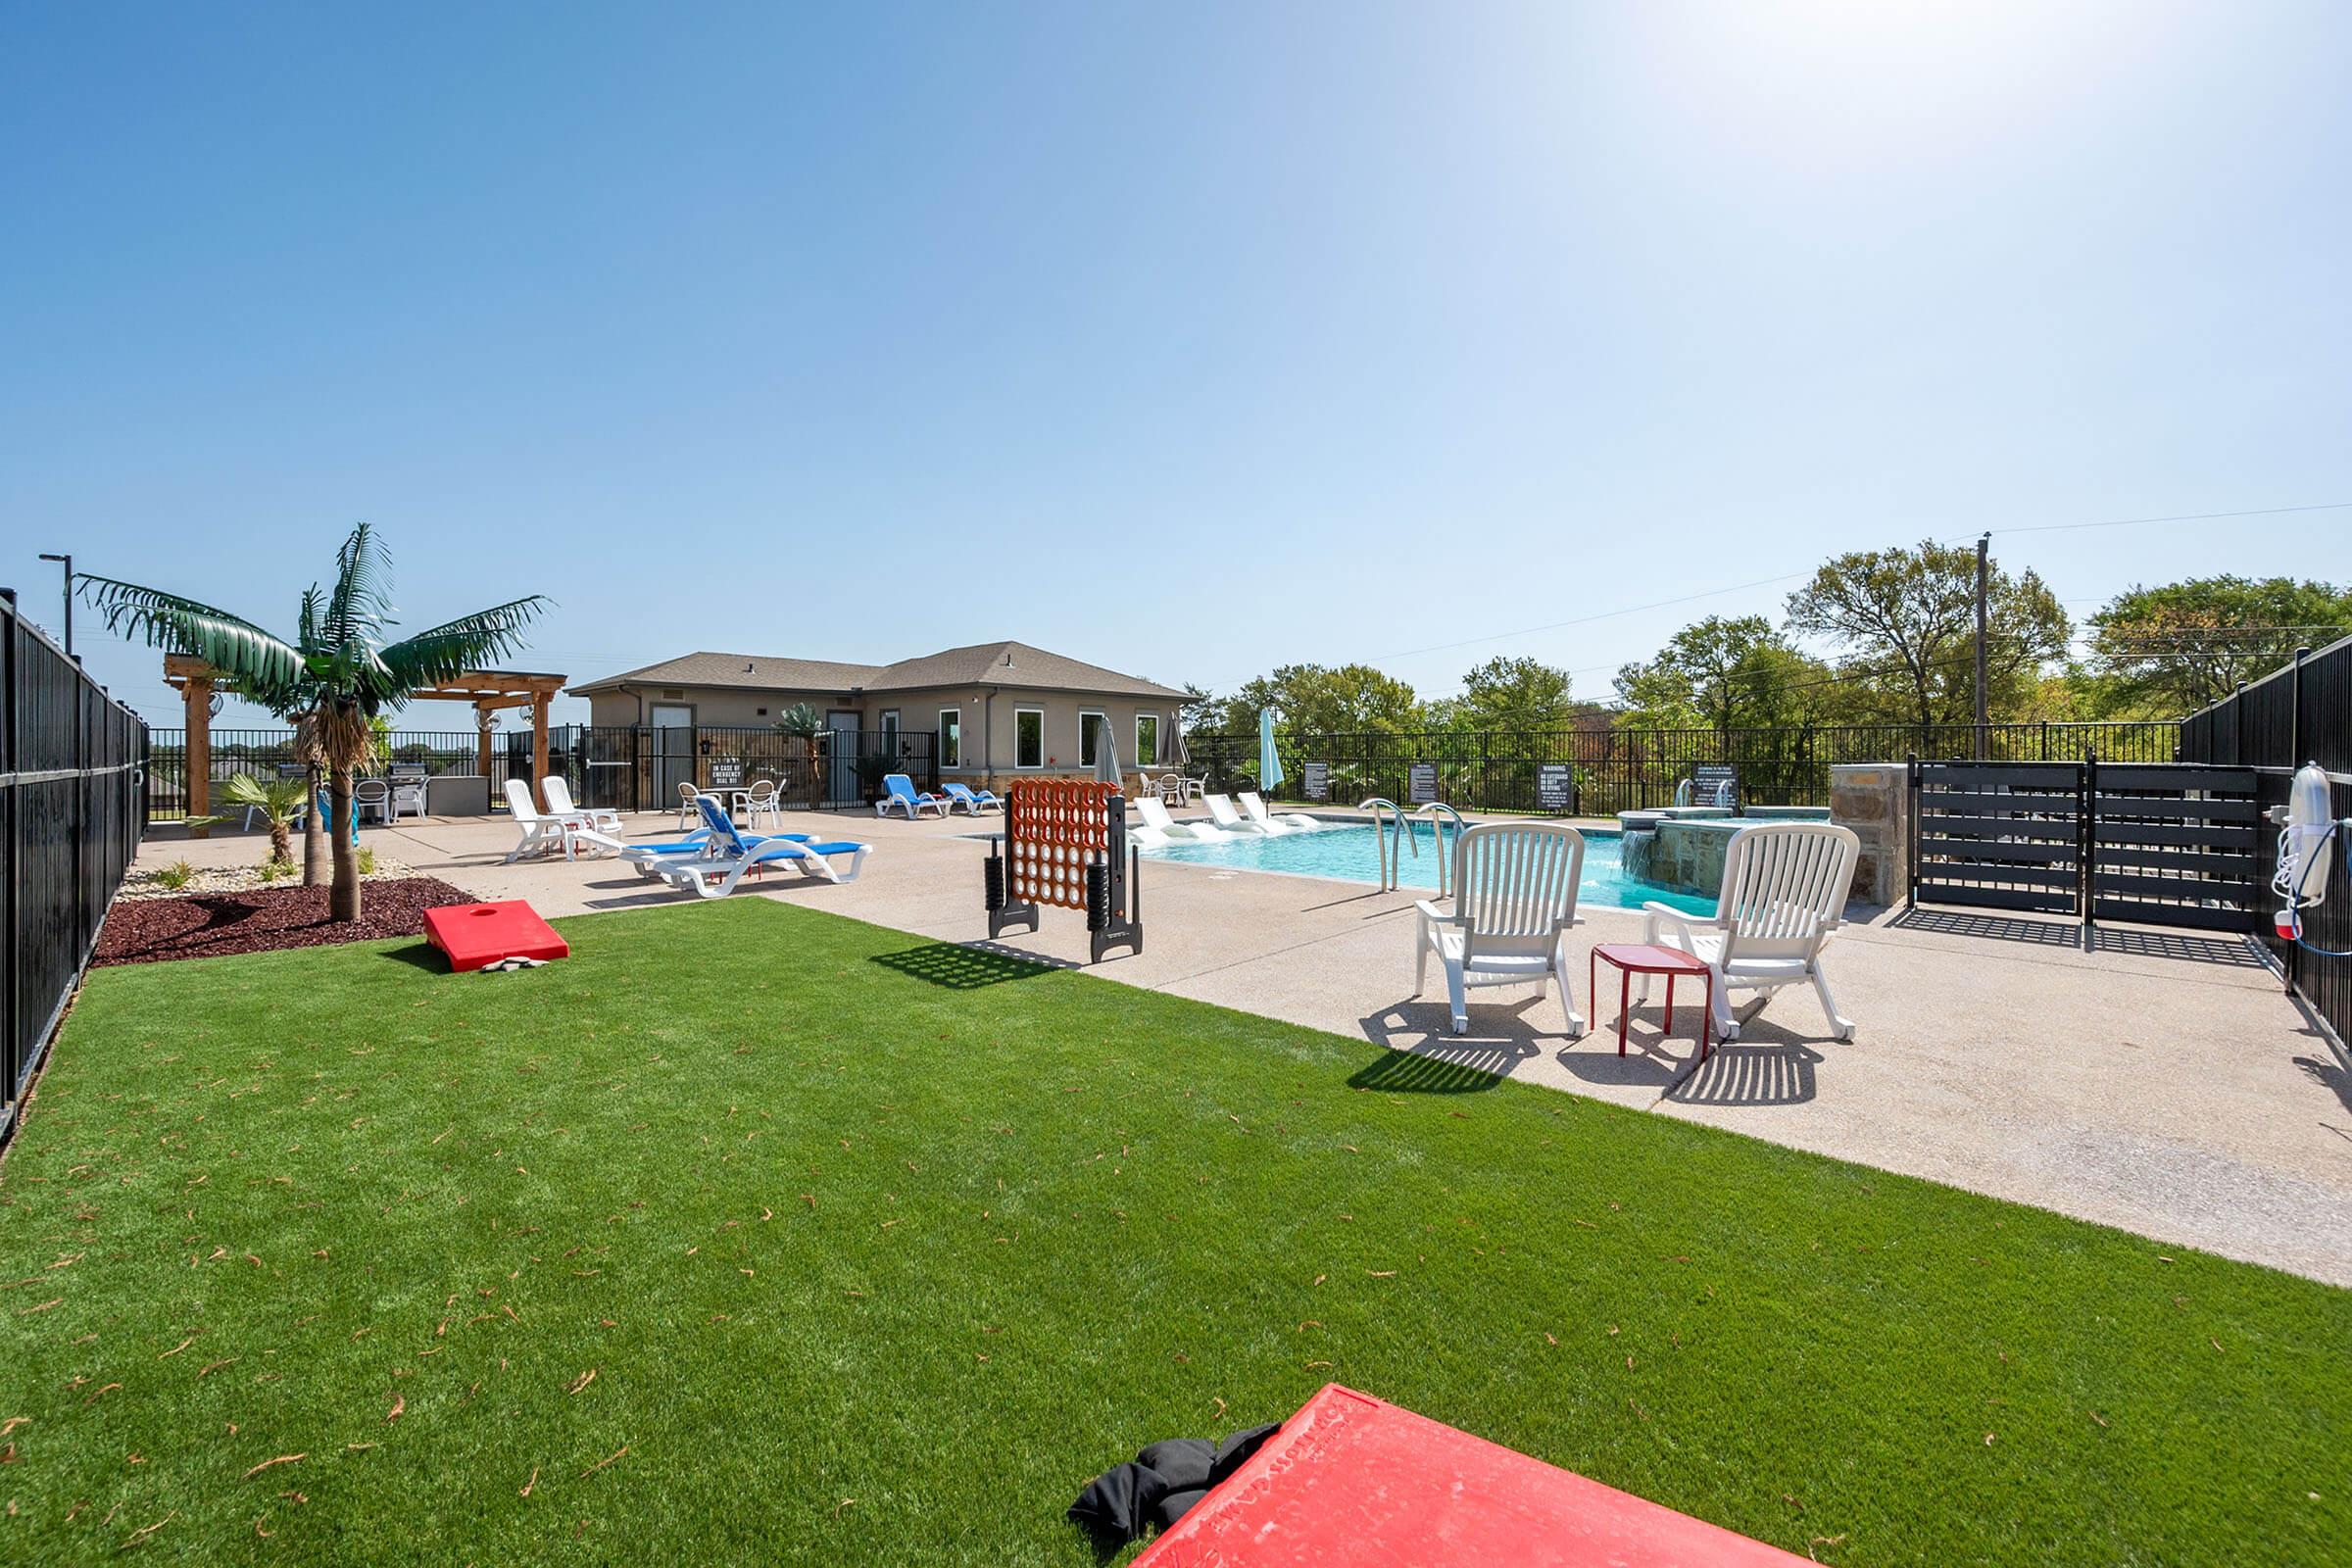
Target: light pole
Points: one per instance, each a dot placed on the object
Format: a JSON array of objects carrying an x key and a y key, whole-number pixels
[{"x": 68, "y": 563}]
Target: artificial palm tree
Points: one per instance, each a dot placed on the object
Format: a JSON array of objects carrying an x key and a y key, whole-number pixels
[
  {"x": 280, "y": 800},
  {"x": 337, "y": 675}
]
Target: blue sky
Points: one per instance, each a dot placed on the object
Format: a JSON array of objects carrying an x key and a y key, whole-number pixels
[{"x": 1189, "y": 339}]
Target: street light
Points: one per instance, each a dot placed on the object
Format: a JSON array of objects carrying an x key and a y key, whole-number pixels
[{"x": 68, "y": 563}]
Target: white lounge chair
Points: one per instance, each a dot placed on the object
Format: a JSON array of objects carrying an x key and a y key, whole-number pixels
[
  {"x": 1221, "y": 811},
  {"x": 1268, "y": 821},
  {"x": 556, "y": 789},
  {"x": 1514, "y": 900},
  {"x": 730, "y": 857},
  {"x": 546, "y": 834},
  {"x": 1785, "y": 886},
  {"x": 1158, "y": 828}
]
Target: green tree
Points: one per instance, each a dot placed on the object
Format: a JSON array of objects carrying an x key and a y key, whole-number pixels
[
  {"x": 280, "y": 800},
  {"x": 1510, "y": 694},
  {"x": 2163, "y": 652},
  {"x": 1723, "y": 673},
  {"x": 336, "y": 675},
  {"x": 1905, "y": 621},
  {"x": 1316, "y": 699}
]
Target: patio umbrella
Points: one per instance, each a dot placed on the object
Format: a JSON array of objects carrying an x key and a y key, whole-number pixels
[
  {"x": 1269, "y": 761},
  {"x": 1167, "y": 746},
  {"x": 1106, "y": 753}
]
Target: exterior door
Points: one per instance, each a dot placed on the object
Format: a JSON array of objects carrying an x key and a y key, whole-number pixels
[
  {"x": 841, "y": 778},
  {"x": 672, "y": 726}
]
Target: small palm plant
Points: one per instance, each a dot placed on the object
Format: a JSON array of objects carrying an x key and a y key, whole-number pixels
[
  {"x": 280, "y": 800},
  {"x": 336, "y": 676}
]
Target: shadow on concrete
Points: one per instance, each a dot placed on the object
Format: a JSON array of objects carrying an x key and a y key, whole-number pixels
[
  {"x": 953, "y": 966},
  {"x": 1990, "y": 927},
  {"x": 2235, "y": 953},
  {"x": 1764, "y": 1067}
]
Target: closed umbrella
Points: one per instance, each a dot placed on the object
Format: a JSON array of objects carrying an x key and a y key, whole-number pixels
[
  {"x": 1269, "y": 761},
  {"x": 1106, "y": 753}
]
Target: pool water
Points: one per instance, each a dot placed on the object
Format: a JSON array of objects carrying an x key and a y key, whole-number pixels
[{"x": 1351, "y": 854}]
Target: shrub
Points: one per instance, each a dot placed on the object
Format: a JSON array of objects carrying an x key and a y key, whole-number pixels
[
  {"x": 177, "y": 875},
  {"x": 367, "y": 860},
  {"x": 274, "y": 869}
]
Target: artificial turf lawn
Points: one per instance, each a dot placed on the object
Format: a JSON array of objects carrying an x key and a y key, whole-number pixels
[{"x": 876, "y": 1249}]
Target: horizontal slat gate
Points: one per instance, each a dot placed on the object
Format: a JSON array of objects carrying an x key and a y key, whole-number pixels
[
  {"x": 2001, "y": 836},
  {"x": 2174, "y": 846}
]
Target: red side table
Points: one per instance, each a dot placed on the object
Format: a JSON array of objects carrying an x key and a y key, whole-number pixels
[{"x": 1632, "y": 959}]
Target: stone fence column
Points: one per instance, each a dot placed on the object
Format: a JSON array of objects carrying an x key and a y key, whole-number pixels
[{"x": 1873, "y": 800}]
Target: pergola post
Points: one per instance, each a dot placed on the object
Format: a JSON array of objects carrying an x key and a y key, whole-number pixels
[
  {"x": 539, "y": 700},
  {"x": 196, "y": 691},
  {"x": 481, "y": 730}
]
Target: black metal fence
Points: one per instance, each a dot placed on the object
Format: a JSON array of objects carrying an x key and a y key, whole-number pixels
[
  {"x": 1634, "y": 770},
  {"x": 70, "y": 816},
  {"x": 2300, "y": 713},
  {"x": 625, "y": 768}
]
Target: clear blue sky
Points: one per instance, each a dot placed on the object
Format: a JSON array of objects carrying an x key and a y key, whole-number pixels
[{"x": 1186, "y": 338}]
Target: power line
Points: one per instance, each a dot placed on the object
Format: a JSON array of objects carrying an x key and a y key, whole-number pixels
[{"x": 2186, "y": 517}]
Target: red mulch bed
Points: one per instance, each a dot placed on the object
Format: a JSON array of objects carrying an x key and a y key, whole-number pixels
[{"x": 206, "y": 925}]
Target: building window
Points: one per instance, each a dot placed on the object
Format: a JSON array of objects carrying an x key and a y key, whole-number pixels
[
  {"x": 1028, "y": 737},
  {"x": 1092, "y": 727},
  {"x": 889, "y": 733},
  {"x": 950, "y": 737},
  {"x": 1146, "y": 739}
]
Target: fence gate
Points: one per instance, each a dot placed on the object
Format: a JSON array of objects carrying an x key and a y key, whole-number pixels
[
  {"x": 1997, "y": 835},
  {"x": 2150, "y": 842},
  {"x": 2174, "y": 846}
]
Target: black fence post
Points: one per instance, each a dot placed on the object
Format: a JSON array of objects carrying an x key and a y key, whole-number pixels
[
  {"x": 2087, "y": 831},
  {"x": 1911, "y": 782}
]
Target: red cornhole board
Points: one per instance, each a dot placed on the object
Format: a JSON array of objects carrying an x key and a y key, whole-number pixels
[
  {"x": 476, "y": 936},
  {"x": 1351, "y": 1481}
]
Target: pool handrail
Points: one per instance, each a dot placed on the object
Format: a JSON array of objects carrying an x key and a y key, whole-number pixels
[
  {"x": 1391, "y": 863},
  {"x": 1437, "y": 830}
]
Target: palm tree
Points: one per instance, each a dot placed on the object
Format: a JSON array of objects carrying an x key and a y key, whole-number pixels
[
  {"x": 280, "y": 800},
  {"x": 335, "y": 678}
]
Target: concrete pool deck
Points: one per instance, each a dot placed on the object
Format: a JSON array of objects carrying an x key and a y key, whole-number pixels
[{"x": 2158, "y": 1082}]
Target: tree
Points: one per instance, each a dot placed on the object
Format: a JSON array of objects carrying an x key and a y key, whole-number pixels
[
  {"x": 280, "y": 800},
  {"x": 2171, "y": 650},
  {"x": 1314, "y": 700},
  {"x": 337, "y": 674},
  {"x": 1723, "y": 673},
  {"x": 1505, "y": 695},
  {"x": 1905, "y": 621}
]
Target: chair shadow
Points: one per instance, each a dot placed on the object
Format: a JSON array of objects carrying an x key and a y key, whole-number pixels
[
  {"x": 1765, "y": 1067},
  {"x": 953, "y": 966},
  {"x": 1424, "y": 1056}
]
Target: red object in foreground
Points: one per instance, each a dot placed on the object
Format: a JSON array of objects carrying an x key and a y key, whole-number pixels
[
  {"x": 1632, "y": 959},
  {"x": 1351, "y": 1481},
  {"x": 476, "y": 936}
]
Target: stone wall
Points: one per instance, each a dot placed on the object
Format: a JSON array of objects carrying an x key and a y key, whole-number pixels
[{"x": 1873, "y": 800}]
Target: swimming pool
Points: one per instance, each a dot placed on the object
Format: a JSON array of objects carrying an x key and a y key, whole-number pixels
[{"x": 1351, "y": 854}]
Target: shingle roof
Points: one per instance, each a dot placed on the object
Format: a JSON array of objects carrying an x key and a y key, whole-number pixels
[
  {"x": 741, "y": 669},
  {"x": 1002, "y": 664}
]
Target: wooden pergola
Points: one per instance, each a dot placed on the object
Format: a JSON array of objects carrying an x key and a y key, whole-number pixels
[{"x": 488, "y": 690}]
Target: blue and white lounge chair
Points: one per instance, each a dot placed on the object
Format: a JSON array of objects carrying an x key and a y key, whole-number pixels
[
  {"x": 648, "y": 858},
  {"x": 970, "y": 798},
  {"x": 901, "y": 793},
  {"x": 728, "y": 856}
]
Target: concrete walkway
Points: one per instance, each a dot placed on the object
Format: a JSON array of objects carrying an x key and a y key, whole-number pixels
[{"x": 2159, "y": 1082}]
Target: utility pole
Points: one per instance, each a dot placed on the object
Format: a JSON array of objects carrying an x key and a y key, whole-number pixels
[
  {"x": 69, "y": 565},
  {"x": 1984, "y": 713}
]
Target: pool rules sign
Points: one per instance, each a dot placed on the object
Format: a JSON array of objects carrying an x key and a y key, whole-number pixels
[
  {"x": 1422, "y": 783},
  {"x": 1555, "y": 787},
  {"x": 1316, "y": 781}
]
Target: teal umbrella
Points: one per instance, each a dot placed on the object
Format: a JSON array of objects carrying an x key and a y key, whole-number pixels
[{"x": 1269, "y": 761}]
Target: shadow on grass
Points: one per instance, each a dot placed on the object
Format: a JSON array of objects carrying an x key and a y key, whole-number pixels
[
  {"x": 1410, "y": 1072},
  {"x": 953, "y": 966},
  {"x": 421, "y": 956}
]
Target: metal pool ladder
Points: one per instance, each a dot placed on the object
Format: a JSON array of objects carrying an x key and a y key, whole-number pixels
[
  {"x": 1385, "y": 809},
  {"x": 1435, "y": 811}
]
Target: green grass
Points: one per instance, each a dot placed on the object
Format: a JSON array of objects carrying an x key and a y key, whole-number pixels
[{"x": 877, "y": 1249}]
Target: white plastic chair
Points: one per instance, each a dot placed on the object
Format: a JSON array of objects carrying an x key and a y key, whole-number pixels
[
  {"x": 1221, "y": 811},
  {"x": 407, "y": 797},
  {"x": 1157, "y": 827},
  {"x": 762, "y": 800},
  {"x": 1785, "y": 886},
  {"x": 557, "y": 791},
  {"x": 1514, "y": 900},
  {"x": 1288, "y": 822},
  {"x": 543, "y": 835},
  {"x": 689, "y": 815}
]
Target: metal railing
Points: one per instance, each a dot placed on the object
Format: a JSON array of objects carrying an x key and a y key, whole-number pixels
[
  {"x": 2301, "y": 713},
  {"x": 1637, "y": 770},
  {"x": 70, "y": 814}
]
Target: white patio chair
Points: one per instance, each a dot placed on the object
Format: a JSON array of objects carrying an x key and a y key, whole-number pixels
[
  {"x": 1514, "y": 900},
  {"x": 1221, "y": 811},
  {"x": 408, "y": 798},
  {"x": 546, "y": 834},
  {"x": 689, "y": 815},
  {"x": 762, "y": 800},
  {"x": 557, "y": 792},
  {"x": 1785, "y": 886},
  {"x": 372, "y": 797}
]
